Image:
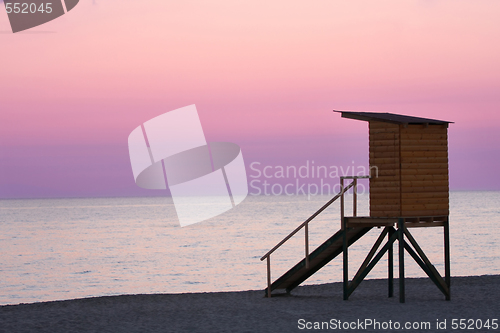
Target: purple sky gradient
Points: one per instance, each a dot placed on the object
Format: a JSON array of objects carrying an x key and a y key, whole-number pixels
[{"x": 264, "y": 76}]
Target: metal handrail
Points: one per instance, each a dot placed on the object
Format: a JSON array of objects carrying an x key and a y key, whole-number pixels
[{"x": 306, "y": 221}]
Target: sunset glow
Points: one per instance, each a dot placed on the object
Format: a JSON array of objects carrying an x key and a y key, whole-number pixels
[{"x": 265, "y": 75}]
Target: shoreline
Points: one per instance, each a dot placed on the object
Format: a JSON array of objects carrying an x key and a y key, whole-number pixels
[{"x": 472, "y": 297}]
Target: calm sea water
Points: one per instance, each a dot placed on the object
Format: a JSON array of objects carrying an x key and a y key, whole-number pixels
[{"x": 54, "y": 249}]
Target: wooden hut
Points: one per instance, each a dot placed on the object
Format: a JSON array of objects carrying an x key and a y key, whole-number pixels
[{"x": 408, "y": 164}]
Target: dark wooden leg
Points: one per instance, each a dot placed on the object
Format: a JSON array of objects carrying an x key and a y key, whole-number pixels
[
  {"x": 401, "y": 260},
  {"x": 346, "y": 266},
  {"x": 390, "y": 261},
  {"x": 447, "y": 276}
]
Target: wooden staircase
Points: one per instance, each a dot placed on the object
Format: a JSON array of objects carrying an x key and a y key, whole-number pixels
[{"x": 327, "y": 251}]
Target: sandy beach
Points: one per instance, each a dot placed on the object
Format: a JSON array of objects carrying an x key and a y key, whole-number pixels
[{"x": 474, "y": 298}]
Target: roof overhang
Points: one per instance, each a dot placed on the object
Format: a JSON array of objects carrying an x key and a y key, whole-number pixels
[{"x": 392, "y": 118}]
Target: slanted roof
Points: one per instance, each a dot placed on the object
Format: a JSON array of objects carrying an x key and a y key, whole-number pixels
[{"x": 391, "y": 118}]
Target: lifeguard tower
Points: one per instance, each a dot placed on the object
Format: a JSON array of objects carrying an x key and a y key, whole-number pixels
[{"x": 408, "y": 189}]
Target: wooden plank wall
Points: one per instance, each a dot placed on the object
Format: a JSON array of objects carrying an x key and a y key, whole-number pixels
[
  {"x": 424, "y": 170},
  {"x": 385, "y": 190}
]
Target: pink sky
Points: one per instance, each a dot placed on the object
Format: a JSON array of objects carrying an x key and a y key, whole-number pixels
[{"x": 263, "y": 74}]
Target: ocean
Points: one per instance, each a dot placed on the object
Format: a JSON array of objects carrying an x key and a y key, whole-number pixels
[{"x": 56, "y": 249}]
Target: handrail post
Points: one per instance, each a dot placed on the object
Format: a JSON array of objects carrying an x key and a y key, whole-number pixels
[
  {"x": 269, "y": 276},
  {"x": 354, "y": 197},
  {"x": 307, "y": 244},
  {"x": 342, "y": 203}
]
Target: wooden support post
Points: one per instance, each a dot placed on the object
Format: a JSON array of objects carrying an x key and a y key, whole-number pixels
[
  {"x": 390, "y": 264},
  {"x": 447, "y": 276},
  {"x": 344, "y": 242},
  {"x": 401, "y": 226},
  {"x": 346, "y": 264},
  {"x": 269, "y": 276}
]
